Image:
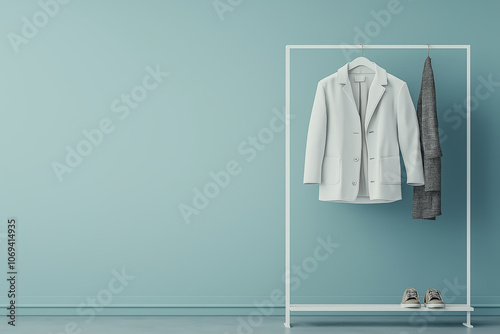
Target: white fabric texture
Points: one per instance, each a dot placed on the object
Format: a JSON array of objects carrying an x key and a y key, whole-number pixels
[{"x": 356, "y": 130}]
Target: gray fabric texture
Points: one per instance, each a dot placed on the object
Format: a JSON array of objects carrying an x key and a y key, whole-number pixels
[{"x": 427, "y": 198}]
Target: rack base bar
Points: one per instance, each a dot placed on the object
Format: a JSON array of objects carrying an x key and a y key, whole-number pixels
[
  {"x": 376, "y": 307},
  {"x": 379, "y": 307}
]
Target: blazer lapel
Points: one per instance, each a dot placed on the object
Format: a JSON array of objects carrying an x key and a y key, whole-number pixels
[
  {"x": 376, "y": 92},
  {"x": 346, "y": 88},
  {"x": 348, "y": 91}
]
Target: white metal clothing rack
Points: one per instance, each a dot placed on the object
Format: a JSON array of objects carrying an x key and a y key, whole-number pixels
[{"x": 367, "y": 307}]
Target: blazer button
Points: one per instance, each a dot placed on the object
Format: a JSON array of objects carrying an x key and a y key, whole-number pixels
[
  {"x": 354, "y": 183},
  {"x": 356, "y": 159}
]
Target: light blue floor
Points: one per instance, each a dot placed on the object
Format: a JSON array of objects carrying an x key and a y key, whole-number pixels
[{"x": 246, "y": 325}]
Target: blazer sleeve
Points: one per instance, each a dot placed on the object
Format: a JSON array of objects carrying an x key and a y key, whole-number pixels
[
  {"x": 316, "y": 138},
  {"x": 409, "y": 137}
]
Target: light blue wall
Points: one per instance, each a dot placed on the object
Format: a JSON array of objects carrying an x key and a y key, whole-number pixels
[{"x": 120, "y": 208}]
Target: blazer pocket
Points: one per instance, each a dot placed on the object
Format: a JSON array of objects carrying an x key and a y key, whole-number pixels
[
  {"x": 390, "y": 170},
  {"x": 331, "y": 170}
]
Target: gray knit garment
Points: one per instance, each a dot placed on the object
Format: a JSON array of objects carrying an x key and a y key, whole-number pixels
[{"x": 427, "y": 198}]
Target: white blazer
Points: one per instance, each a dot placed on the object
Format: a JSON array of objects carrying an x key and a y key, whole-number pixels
[{"x": 359, "y": 122}]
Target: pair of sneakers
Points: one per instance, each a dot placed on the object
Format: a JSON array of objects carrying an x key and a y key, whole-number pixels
[{"x": 432, "y": 299}]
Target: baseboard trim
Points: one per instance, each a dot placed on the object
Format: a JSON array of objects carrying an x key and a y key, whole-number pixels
[{"x": 37, "y": 310}]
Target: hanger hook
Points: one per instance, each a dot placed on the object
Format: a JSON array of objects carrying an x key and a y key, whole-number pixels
[
  {"x": 428, "y": 47},
  {"x": 362, "y": 49}
]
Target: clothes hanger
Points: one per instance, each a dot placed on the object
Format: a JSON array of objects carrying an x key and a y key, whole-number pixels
[{"x": 361, "y": 61}]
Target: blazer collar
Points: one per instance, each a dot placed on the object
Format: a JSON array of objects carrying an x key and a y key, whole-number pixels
[
  {"x": 380, "y": 75},
  {"x": 377, "y": 89}
]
